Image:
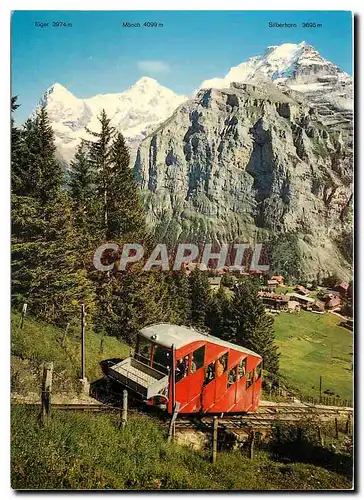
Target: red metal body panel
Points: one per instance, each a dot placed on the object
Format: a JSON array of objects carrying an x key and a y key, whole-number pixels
[{"x": 216, "y": 396}]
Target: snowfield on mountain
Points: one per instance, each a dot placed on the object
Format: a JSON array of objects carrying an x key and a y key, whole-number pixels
[{"x": 134, "y": 112}]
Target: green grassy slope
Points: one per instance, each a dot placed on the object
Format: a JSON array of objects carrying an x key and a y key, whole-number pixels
[
  {"x": 38, "y": 342},
  {"x": 78, "y": 451},
  {"x": 312, "y": 345}
]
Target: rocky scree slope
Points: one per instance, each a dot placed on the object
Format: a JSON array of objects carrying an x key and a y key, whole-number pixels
[{"x": 249, "y": 163}]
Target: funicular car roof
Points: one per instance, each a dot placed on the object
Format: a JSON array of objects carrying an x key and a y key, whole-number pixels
[{"x": 167, "y": 334}]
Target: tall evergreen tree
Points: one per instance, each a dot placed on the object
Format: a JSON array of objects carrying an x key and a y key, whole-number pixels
[
  {"x": 45, "y": 272},
  {"x": 220, "y": 318},
  {"x": 200, "y": 294},
  {"x": 125, "y": 213},
  {"x": 16, "y": 145},
  {"x": 100, "y": 159},
  {"x": 180, "y": 298},
  {"x": 82, "y": 183},
  {"x": 243, "y": 320}
]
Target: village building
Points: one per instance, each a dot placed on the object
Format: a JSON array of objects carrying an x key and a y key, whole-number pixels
[
  {"x": 342, "y": 288},
  {"x": 272, "y": 284},
  {"x": 305, "y": 302},
  {"x": 301, "y": 290},
  {"x": 273, "y": 300},
  {"x": 333, "y": 303},
  {"x": 293, "y": 306},
  {"x": 318, "y": 307},
  {"x": 278, "y": 278}
]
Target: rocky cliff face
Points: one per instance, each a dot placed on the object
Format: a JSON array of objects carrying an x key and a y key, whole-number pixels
[
  {"x": 250, "y": 163},
  {"x": 301, "y": 68}
]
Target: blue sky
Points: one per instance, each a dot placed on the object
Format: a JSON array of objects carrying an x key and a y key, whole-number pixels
[{"x": 97, "y": 55}]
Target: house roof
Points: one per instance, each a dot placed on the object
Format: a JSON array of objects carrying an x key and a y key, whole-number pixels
[
  {"x": 334, "y": 301},
  {"x": 300, "y": 297},
  {"x": 166, "y": 334},
  {"x": 292, "y": 304},
  {"x": 343, "y": 285}
]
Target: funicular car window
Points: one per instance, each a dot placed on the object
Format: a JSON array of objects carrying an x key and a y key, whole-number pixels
[
  {"x": 232, "y": 377},
  {"x": 221, "y": 364},
  {"x": 198, "y": 358},
  {"x": 249, "y": 379},
  {"x": 258, "y": 372},
  {"x": 242, "y": 368},
  {"x": 144, "y": 350},
  {"x": 162, "y": 359},
  {"x": 209, "y": 373}
]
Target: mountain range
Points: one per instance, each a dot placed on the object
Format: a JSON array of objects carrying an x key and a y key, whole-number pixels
[
  {"x": 263, "y": 153},
  {"x": 135, "y": 112}
]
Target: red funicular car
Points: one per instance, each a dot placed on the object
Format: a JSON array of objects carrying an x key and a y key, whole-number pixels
[{"x": 209, "y": 375}]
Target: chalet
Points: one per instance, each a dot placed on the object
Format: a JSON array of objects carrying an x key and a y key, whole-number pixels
[
  {"x": 301, "y": 290},
  {"x": 272, "y": 284},
  {"x": 333, "y": 303},
  {"x": 342, "y": 288},
  {"x": 293, "y": 306},
  {"x": 305, "y": 302},
  {"x": 278, "y": 278},
  {"x": 273, "y": 299},
  {"x": 318, "y": 307}
]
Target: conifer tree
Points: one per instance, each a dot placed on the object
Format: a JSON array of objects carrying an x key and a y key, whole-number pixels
[
  {"x": 115, "y": 187},
  {"x": 16, "y": 144},
  {"x": 125, "y": 213},
  {"x": 179, "y": 296},
  {"x": 243, "y": 321},
  {"x": 220, "y": 318},
  {"x": 82, "y": 183},
  {"x": 45, "y": 272},
  {"x": 100, "y": 159},
  {"x": 200, "y": 294}
]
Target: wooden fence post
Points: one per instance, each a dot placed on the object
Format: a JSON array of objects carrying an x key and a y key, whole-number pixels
[
  {"x": 320, "y": 437},
  {"x": 347, "y": 427},
  {"x": 336, "y": 429},
  {"x": 46, "y": 392},
  {"x": 83, "y": 324},
  {"x": 65, "y": 334},
  {"x": 124, "y": 411},
  {"x": 172, "y": 427},
  {"x": 215, "y": 426},
  {"x": 251, "y": 444},
  {"x": 23, "y": 313},
  {"x": 320, "y": 389}
]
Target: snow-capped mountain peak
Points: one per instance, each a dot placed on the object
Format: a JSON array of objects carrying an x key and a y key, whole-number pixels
[
  {"x": 146, "y": 82},
  {"x": 279, "y": 63},
  {"x": 134, "y": 112},
  {"x": 298, "y": 68}
]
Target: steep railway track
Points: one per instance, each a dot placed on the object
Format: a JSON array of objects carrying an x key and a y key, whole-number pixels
[{"x": 265, "y": 417}]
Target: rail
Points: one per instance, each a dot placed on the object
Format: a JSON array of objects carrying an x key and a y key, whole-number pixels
[{"x": 265, "y": 417}]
